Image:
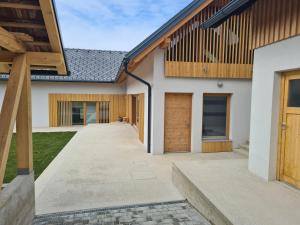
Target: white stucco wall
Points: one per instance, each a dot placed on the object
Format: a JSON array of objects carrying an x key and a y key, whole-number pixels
[
  {"x": 240, "y": 104},
  {"x": 40, "y": 91},
  {"x": 269, "y": 62},
  {"x": 152, "y": 70},
  {"x": 145, "y": 71}
]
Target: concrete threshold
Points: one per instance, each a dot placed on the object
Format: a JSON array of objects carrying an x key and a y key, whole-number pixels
[{"x": 225, "y": 192}]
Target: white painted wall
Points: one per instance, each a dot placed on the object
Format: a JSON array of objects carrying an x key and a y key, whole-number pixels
[
  {"x": 240, "y": 104},
  {"x": 269, "y": 62},
  {"x": 152, "y": 70},
  {"x": 40, "y": 91}
]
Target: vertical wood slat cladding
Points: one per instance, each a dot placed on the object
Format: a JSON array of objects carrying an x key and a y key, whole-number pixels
[
  {"x": 222, "y": 52},
  {"x": 117, "y": 102},
  {"x": 216, "y": 146},
  {"x": 141, "y": 119},
  {"x": 129, "y": 112},
  {"x": 274, "y": 20}
]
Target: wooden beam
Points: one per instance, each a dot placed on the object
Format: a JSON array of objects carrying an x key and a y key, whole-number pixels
[
  {"x": 38, "y": 43},
  {"x": 4, "y": 68},
  {"x": 22, "y": 36},
  {"x": 24, "y": 128},
  {"x": 7, "y": 57},
  {"x": 165, "y": 44},
  {"x": 52, "y": 30},
  {"x": 10, "y": 42},
  {"x": 9, "y": 109},
  {"x": 44, "y": 59},
  {"x": 18, "y": 6},
  {"x": 22, "y": 25}
]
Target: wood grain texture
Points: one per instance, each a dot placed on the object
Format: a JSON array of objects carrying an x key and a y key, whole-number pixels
[
  {"x": 216, "y": 146},
  {"x": 141, "y": 115},
  {"x": 275, "y": 23},
  {"x": 222, "y": 52},
  {"x": 9, "y": 109},
  {"x": 289, "y": 141},
  {"x": 178, "y": 114},
  {"x": 24, "y": 127}
]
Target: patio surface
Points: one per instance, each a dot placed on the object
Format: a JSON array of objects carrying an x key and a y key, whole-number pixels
[
  {"x": 225, "y": 191},
  {"x": 105, "y": 165}
]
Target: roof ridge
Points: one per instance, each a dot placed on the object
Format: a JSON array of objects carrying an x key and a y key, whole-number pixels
[{"x": 86, "y": 49}]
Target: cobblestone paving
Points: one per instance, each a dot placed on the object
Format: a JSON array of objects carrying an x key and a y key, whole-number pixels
[{"x": 178, "y": 213}]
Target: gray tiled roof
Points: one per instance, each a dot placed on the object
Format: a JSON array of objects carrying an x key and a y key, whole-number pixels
[{"x": 86, "y": 66}]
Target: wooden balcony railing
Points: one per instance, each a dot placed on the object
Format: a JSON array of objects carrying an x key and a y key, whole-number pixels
[{"x": 223, "y": 52}]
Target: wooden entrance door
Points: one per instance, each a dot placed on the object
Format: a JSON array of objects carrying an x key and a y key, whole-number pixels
[
  {"x": 178, "y": 114},
  {"x": 290, "y": 129}
]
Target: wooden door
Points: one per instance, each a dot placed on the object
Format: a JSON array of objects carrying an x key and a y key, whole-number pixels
[
  {"x": 178, "y": 114},
  {"x": 290, "y": 130}
]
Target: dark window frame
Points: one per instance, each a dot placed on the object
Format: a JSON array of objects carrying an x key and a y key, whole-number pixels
[{"x": 228, "y": 116}]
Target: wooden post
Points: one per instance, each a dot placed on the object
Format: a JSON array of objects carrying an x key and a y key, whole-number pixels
[
  {"x": 9, "y": 109},
  {"x": 24, "y": 128}
]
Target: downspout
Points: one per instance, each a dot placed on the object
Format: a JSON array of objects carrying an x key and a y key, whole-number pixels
[{"x": 126, "y": 60}]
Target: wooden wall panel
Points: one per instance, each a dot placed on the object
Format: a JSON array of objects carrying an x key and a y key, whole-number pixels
[
  {"x": 274, "y": 20},
  {"x": 216, "y": 146},
  {"x": 222, "y": 52},
  {"x": 141, "y": 119},
  {"x": 117, "y": 102}
]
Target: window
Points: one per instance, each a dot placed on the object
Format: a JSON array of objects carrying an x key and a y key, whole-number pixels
[
  {"x": 294, "y": 93},
  {"x": 77, "y": 113},
  {"x": 91, "y": 112},
  {"x": 215, "y": 116}
]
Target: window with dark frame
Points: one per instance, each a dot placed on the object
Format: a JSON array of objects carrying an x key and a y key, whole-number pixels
[{"x": 215, "y": 116}]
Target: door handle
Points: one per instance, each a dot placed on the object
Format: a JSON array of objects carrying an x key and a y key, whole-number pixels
[{"x": 283, "y": 126}]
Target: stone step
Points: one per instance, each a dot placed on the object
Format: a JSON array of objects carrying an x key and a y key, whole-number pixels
[{"x": 176, "y": 212}]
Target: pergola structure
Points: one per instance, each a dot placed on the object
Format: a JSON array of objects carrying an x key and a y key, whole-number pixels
[{"x": 29, "y": 41}]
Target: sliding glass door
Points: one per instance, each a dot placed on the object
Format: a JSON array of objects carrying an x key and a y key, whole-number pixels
[
  {"x": 91, "y": 112},
  {"x": 77, "y": 113}
]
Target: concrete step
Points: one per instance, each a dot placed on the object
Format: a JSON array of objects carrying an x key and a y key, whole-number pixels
[{"x": 226, "y": 193}]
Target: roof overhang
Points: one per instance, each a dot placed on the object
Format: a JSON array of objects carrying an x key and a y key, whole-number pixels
[
  {"x": 31, "y": 27},
  {"x": 234, "y": 7},
  {"x": 162, "y": 34}
]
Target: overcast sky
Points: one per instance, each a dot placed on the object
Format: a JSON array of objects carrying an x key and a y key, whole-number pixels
[{"x": 112, "y": 24}]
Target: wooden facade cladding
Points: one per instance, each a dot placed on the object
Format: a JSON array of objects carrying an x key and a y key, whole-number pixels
[
  {"x": 129, "y": 113},
  {"x": 274, "y": 20},
  {"x": 117, "y": 104},
  {"x": 216, "y": 146},
  {"x": 222, "y": 52}
]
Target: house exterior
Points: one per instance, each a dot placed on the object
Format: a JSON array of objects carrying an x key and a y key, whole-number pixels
[
  {"x": 275, "y": 107},
  {"x": 200, "y": 83},
  {"x": 91, "y": 82},
  {"x": 200, "y": 80}
]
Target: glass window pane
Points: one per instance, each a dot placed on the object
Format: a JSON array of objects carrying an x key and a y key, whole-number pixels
[
  {"x": 294, "y": 93},
  {"x": 77, "y": 113},
  {"x": 91, "y": 112},
  {"x": 214, "y": 116}
]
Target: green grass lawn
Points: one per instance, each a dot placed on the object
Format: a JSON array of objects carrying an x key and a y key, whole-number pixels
[{"x": 46, "y": 146}]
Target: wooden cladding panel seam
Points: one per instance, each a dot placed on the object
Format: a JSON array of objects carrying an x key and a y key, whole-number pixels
[{"x": 118, "y": 103}]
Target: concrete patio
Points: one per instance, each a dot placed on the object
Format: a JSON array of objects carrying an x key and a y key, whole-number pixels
[
  {"x": 225, "y": 192},
  {"x": 105, "y": 165}
]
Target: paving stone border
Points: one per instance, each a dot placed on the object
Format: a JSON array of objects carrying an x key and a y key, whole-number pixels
[{"x": 177, "y": 213}]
